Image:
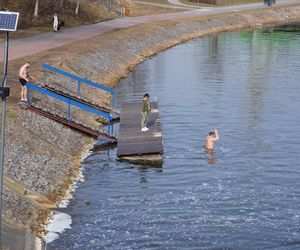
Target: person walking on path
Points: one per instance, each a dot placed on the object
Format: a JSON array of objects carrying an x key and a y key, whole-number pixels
[
  {"x": 211, "y": 139},
  {"x": 55, "y": 22},
  {"x": 24, "y": 77},
  {"x": 145, "y": 111}
]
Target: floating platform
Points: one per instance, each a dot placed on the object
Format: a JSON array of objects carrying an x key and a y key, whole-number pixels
[{"x": 133, "y": 144}]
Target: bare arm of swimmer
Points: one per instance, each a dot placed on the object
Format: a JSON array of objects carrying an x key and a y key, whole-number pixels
[{"x": 216, "y": 135}]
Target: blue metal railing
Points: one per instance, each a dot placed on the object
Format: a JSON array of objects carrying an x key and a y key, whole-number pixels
[
  {"x": 70, "y": 102},
  {"x": 78, "y": 79}
]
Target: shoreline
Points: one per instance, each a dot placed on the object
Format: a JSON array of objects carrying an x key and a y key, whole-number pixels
[
  {"x": 106, "y": 62},
  {"x": 55, "y": 226}
]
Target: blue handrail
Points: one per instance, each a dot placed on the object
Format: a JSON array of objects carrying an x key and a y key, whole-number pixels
[
  {"x": 70, "y": 102},
  {"x": 78, "y": 79}
]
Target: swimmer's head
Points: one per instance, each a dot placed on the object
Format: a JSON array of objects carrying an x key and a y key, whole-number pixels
[{"x": 211, "y": 133}]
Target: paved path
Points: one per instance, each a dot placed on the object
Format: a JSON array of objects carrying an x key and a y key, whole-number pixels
[
  {"x": 169, "y": 6},
  {"x": 27, "y": 46},
  {"x": 178, "y": 3}
]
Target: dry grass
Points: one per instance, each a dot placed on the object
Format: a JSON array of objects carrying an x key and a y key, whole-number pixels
[
  {"x": 29, "y": 25},
  {"x": 88, "y": 13}
]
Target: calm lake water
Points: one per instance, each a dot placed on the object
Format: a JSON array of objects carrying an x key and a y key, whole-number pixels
[{"x": 245, "y": 196}]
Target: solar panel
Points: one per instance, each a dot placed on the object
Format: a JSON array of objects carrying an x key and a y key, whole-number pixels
[{"x": 8, "y": 20}]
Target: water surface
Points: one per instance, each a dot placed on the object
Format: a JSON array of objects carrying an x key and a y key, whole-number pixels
[{"x": 246, "y": 195}]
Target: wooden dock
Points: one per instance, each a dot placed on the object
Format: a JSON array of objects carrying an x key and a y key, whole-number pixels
[{"x": 135, "y": 145}]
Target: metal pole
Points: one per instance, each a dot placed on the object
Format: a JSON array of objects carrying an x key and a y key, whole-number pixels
[{"x": 3, "y": 126}]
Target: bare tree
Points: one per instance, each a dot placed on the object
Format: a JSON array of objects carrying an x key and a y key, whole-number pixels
[
  {"x": 61, "y": 4},
  {"x": 77, "y": 7},
  {"x": 36, "y": 8}
]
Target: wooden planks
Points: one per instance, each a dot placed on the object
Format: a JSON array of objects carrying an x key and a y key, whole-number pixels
[{"x": 131, "y": 140}]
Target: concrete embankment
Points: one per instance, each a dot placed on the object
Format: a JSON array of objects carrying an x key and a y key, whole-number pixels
[{"x": 42, "y": 156}]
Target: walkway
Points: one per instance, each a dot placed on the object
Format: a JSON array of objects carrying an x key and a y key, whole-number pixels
[
  {"x": 178, "y": 3},
  {"x": 27, "y": 46},
  {"x": 169, "y": 6}
]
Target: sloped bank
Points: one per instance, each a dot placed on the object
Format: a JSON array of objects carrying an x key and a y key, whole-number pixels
[{"x": 43, "y": 156}]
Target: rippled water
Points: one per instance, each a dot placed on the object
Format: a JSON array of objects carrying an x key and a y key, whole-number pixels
[{"x": 245, "y": 196}]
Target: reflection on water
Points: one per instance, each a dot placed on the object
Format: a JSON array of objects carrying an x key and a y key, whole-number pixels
[{"x": 243, "y": 196}]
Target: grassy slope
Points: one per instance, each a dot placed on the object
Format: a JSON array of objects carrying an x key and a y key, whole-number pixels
[{"x": 88, "y": 13}]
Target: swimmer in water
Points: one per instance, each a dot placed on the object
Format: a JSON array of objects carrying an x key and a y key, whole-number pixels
[{"x": 211, "y": 139}]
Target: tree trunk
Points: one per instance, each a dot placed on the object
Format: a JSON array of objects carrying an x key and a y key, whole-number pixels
[
  {"x": 61, "y": 4},
  {"x": 36, "y": 8},
  {"x": 77, "y": 7}
]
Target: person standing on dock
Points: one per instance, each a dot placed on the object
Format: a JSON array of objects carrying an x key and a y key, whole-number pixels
[
  {"x": 24, "y": 77},
  {"x": 145, "y": 112},
  {"x": 211, "y": 139}
]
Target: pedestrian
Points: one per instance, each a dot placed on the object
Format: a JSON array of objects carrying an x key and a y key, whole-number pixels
[
  {"x": 60, "y": 23},
  {"x": 145, "y": 111},
  {"x": 24, "y": 77},
  {"x": 55, "y": 22},
  {"x": 211, "y": 139}
]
